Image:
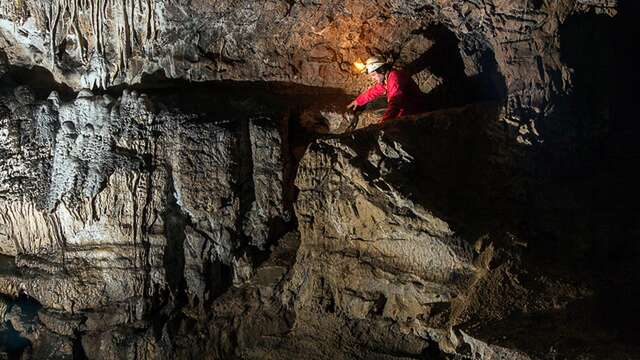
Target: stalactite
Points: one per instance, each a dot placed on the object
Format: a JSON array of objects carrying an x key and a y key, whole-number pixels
[
  {"x": 104, "y": 16},
  {"x": 101, "y": 19},
  {"x": 125, "y": 34},
  {"x": 93, "y": 29},
  {"x": 97, "y": 24},
  {"x": 149, "y": 10},
  {"x": 54, "y": 18},
  {"x": 154, "y": 30},
  {"x": 132, "y": 35},
  {"x": 99, "y": 27},
  {"x": 76, "y": 30}
]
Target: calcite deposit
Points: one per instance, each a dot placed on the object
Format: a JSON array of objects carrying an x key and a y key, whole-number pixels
[
  {"x": 113, "y": 202},
  {"x": 181, "y": 180}
]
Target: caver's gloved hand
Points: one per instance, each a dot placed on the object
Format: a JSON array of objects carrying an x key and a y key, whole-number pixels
[{"x": 403, "y": 94}]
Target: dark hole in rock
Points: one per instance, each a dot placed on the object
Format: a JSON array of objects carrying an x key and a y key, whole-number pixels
[
  {"x": 537, "y": 4},
  {"x": 7, "y": 264},
  {"x": 19, "y": 325},
  {"x": 176, "y": 223},
  {"x": 11, "y": 342},
  {"x": 39, "y": 79}
]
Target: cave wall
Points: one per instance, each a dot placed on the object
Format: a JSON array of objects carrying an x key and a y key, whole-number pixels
[
  {"x": 109, "y": 203},
  {"x": 187, "y": 221},
  {"x": 105, "y": 43}
]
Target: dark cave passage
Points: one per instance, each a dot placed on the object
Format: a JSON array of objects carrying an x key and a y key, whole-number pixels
[
  {"x": 19, "y": 317},
  {"x": 175, "y": 225},
  {"x": 606, "y": 81},
  {"x": 586, "y": 203}
]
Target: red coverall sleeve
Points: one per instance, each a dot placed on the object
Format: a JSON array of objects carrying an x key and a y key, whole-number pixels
[
  {"x": 370, "y": 94},
  {"x": 394, "y": 96}
]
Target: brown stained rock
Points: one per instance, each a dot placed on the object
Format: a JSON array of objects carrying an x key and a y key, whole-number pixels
[
  {"x": 384, "y": 216},
  {"x": 366, "y": 236},
  {"x": 311, "y": 43}
]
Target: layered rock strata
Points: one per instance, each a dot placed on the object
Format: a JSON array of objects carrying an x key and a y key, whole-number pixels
[
  {"x": 171, "y": 225},
  {"x": 108, "y": 203},
  {"x": 104, "y": 43}
]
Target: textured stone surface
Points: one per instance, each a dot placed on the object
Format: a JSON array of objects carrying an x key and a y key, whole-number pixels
[
  {"x": 403, "y": 248},
  {"x": 108, "y": 201},
  {"x": 391, "y": 267},
  {"x": 170, "y": 225},
  {"x": 102, "y": 43},
  {"x": 370, "y": 248}
]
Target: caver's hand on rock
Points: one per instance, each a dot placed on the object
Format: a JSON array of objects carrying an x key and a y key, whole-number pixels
[{"x": 352, "y": 105}]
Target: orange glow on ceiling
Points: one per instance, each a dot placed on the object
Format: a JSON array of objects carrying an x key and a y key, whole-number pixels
[{"x": 360, "y": 67}]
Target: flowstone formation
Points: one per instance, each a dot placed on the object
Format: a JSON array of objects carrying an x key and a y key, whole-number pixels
[
  {"x": 128, "y": 202},
  {"x": 179, "y": 180}
]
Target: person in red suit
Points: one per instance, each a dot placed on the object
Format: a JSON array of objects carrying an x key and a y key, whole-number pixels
[{"x": 403, "y": 94}]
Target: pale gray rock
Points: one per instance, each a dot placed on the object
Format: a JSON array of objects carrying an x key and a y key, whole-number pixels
[{"x": 124, "y": 208}]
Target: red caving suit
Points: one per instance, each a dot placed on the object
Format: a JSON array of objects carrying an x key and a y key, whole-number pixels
[{"x": 403, "y": 95}]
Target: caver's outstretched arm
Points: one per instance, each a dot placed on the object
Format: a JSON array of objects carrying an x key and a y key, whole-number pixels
[{"x": 370, "y": 94}]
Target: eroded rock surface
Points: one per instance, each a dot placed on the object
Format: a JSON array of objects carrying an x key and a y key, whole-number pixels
[
  {"x": 151, "y": 230},
  {"x": 245, "y": 223},
  {"x": 389, "y": 267},
  {"x": 103, "y": 43},
  {"x": 108, "y": 201}
]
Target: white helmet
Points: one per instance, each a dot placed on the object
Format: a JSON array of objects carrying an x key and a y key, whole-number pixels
[{"x": 374, "y": 63}]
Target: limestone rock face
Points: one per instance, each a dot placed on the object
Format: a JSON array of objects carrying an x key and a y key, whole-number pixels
[
  {"x": 150, "y": 230},
  {"x": 372, "y": 235},
  {"x": 400, "y": 253},
  {"x": 179, "y": 179},
  {"x": 109, "y": 201},
  {"x": 102, "y": 43},
  {"x": 373, "y": 247}
]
